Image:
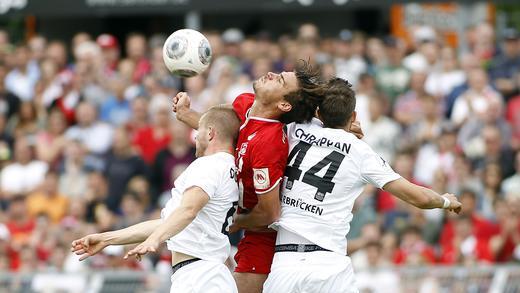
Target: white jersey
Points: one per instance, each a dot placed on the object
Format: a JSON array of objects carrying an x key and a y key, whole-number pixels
[
  {"x": 206, "y": 237},
  {"x": 327, "y": 170}
]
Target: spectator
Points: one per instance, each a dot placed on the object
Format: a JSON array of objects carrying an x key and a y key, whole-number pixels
[
  {"x": 9, "y": 102},
  {"x": 116, "y": 110},
  {"x": 48, "y": 201},
  {"x": 513, "y": 117},
  {"x": 492, "y": 178},
  {"x": 511, "y": 185},
  {"x": 476, "y": 100},
  {"x": 393, "y": 78},
  {"x": 110, "y": 48},
  {"x": 413, "y": 250},
  {"x": 96, "y": 195},
  {"x": 24, "y": 174},
  {"x": 121, "y": 165},
  {"x": 136, "y": 51},
  {"x": 383, "y": 131},
  {"x": 132, "y": 210},
  {"x": 88, "y": 128},
  {"x": 20, "y": 227},
  {"x": 407, "y": 108},
  {"x": 177, "y": 154},
  {"x": 506, "y": 66},
  {"x": 25, "y": 122},
  {"x": 149, "y": 140},
  {"x": 51, "y": 142},
  {"x": 441, "y": 82},
  {"x": 376, "y": 279},
  {"x": 466, "y": 248},
  {"x": 427, "y": 127},
  {"x": 438, "y": 155},
  {"x": 348, "y": 65},
  {"x": 73, "y": 171},
  {"x": 506, "y": 243},
  {"x": 495, "y": 152},
  {"x": 23, "y": 78}
]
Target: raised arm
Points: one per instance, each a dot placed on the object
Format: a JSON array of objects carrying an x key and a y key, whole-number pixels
[
  {"x": 181, "y": 106},
  {"x": 94, "y": 243},
  {"x": 422, "y": 197},
  {"x": 190, "y": 117},
  {"x": 193, "y": 200}
]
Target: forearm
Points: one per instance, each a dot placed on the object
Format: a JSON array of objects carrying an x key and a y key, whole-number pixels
[
  {"x": 133, "y": 234},
  {"x": 255, "y": 219},
  {"x": 430, "y": 199},
  {"x": 173, "y": 225},
  {"x": 189, "y": 117}
]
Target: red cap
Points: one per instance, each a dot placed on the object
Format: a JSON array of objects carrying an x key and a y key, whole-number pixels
[{"x": 106, "y": 41}]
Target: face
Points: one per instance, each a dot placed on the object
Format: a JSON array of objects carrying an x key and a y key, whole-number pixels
[
  {"x": 202, "y": 139},
  {"x": 272, "y": 87}
]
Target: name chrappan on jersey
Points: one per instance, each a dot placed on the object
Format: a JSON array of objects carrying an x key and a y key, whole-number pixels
[
  {"x": 299, "y": 203},
  {"x": 322, "y": 141}
]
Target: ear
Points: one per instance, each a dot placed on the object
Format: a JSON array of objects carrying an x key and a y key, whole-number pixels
[
  {"x": 353, "y": 117},
  {"x": 284, "y": 106},
  {"x": 318, "y": 114},
  {"x": 211, "y": 133}
]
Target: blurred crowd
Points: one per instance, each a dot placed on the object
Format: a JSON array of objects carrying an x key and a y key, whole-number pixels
[{"x": 88, "y": 141}]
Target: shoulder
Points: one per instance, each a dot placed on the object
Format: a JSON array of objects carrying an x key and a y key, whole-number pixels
[{"x": 271, "y": 134}]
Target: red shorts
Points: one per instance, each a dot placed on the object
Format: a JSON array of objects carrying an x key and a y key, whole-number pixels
[{"x": 255, "y": 253}]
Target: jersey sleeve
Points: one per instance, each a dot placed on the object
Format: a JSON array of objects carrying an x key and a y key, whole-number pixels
[
  {"x": 242, "y": 104},
  {"x": 376, "y": 171},
  {"x": 205, "y": 175},
  {"x": 268, "y": 162}
]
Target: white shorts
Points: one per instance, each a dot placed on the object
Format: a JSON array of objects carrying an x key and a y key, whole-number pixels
[
  {"x": 310, "y": 272},
  {"x": 203, "y": 277}
]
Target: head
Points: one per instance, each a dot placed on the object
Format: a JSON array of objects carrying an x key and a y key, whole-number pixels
[
  {"x": 492, "y": 139},
  {"x": 50, "y": 183},
  {"x": 86, "y": 114},
  {"x": 57, "y": 51},
  {"x": 468, "y": 199},
  {"x": 337, "y": 108},
  {"x": 56, "y": 123},
  {"x": 464, "y": 226},
  {"x": 218, "y": 128},
  {"x": 136, "y": 46}
]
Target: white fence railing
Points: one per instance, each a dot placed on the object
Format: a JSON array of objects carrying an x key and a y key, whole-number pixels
[{"x": 477, "y": 279}]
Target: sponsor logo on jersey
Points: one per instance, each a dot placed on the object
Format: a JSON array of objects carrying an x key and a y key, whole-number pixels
[
  {"x": 251, "y": 136},
  {"x": 302, "y": 205},
  {"x": 261, "y": 178},
  {"x": 243, "y": 149}
]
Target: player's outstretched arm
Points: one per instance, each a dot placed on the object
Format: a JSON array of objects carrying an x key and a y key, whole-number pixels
[
  {"x": 422, "y": 197},
  {"x": 266, "y": 211},
  {"x": 94, "y": 243},
  {"x": 193, "y": 200}
]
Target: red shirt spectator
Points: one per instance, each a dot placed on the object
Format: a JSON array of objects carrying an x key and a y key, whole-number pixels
[{"x": 413, "y": 250}]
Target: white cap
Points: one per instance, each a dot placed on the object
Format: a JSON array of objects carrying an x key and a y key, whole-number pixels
[
  {"x": 232, "y": 36},
  {"x": 424, "y": 33}
]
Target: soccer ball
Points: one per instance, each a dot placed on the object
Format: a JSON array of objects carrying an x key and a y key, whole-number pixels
[{"x": 186, "y": 53}]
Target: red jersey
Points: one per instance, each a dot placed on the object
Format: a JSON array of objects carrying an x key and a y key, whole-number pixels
[{"x": 261, "y": 153}]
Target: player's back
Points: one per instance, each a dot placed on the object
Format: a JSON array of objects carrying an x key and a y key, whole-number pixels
[
  {"x": 206, "y": 237},
  {"x": 327, "y": 170}
]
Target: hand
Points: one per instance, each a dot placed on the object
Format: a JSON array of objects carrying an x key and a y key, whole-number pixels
[
  {"x": 143, "y": 248},
  {"x": 455, "y": 205},
  {"x": 355, "y": 128},
  {"x": 88, "y": 245},
  {"x": 234, "y": 228},
  {"x": 181, "y": 102}
]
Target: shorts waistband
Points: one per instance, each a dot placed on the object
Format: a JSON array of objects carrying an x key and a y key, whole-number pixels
[
  {"x": 298, "y": 248},
  {"x": 183, "y": 264}
]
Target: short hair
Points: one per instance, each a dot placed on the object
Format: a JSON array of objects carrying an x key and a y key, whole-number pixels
[
  {"x": 225, "y": 121},
  {"x": 309, "y": 95},
  {"x": 338, "y": 105}
]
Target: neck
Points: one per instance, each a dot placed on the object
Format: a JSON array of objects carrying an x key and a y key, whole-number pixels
[
  {"x": 217, "y": 148},
  {"x": 264, "y": 111}
]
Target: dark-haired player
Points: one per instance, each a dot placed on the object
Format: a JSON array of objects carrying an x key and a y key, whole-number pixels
[
  {"x": 327, "y": 170},
  {"x": 261, "y": 157}
]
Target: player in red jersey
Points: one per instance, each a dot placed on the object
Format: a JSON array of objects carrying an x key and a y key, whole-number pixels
[{"x": 261, "y": 157}]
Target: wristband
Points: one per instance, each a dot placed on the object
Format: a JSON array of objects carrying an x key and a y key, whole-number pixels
[{"x": 446, "y": 203}]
